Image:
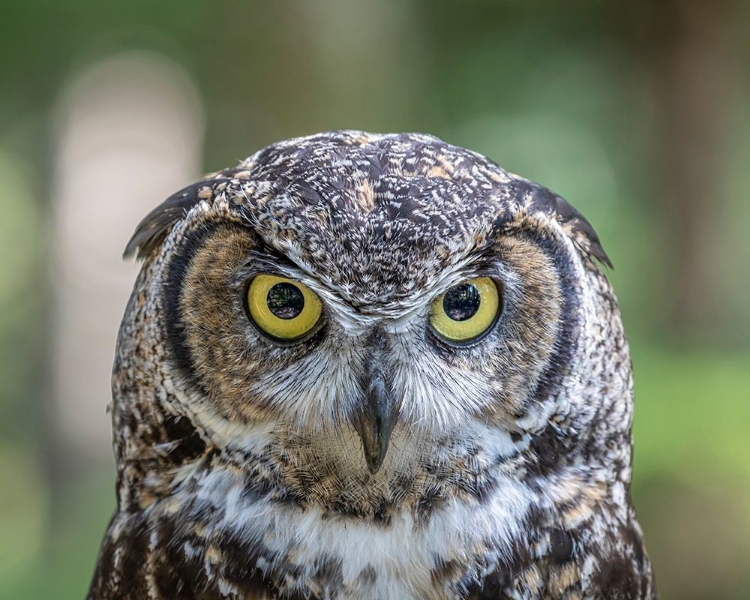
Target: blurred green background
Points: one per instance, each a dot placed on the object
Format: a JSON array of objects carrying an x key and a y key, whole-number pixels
[{"x": 638, "y": 113}]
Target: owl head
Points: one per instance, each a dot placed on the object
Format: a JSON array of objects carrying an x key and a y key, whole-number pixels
[{"x": 364, "y": 312}]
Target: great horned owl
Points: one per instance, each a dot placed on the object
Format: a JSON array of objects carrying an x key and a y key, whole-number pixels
[{"x": 371, "y": 366}]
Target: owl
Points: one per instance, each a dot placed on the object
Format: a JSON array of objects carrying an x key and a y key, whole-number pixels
[{"x": 364, "y": 366}]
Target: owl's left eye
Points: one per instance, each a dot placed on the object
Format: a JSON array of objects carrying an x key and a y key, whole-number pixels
[
  {"x": 282, "y": 308},
  {"x": 466, "y": 311}
]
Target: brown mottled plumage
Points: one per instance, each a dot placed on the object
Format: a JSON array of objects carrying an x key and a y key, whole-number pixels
[{"x": 372, "y": 457}]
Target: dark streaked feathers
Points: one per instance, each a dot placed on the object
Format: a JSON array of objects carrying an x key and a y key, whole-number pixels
[{"x": 355, "y": 151}]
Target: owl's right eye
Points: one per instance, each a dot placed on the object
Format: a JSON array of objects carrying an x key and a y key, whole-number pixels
[{"x": 282, "y": 308}]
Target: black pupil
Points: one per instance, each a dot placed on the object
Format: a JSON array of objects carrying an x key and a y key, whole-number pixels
[
  {"x": 461, "y": 302},
  {"x": 285, "y": 300}
]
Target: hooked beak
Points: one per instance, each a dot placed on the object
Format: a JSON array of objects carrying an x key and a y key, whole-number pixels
[{"x": 379, "y": 412}]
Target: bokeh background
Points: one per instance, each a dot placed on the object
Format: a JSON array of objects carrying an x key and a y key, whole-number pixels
[{"x": 637, "y": 112}]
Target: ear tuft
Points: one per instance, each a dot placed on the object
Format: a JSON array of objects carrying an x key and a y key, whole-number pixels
[{"x": 157, "y": 224}]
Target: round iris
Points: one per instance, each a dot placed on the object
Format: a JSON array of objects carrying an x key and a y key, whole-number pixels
[
  {"x": 461, "y": 302},
  {"x": 282, "y": 308},
  {"x": 467, "y": 310},
  {"x": 285, "y": 300}
]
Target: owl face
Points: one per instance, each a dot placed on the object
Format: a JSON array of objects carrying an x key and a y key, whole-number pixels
[{"x": 366, "y": 299}]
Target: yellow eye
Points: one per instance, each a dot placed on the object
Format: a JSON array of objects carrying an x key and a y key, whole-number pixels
[
  {"x": 282, "y": 308},
  {"x": 467, "y": 310}
]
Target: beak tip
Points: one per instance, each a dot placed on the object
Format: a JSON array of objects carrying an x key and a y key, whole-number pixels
[{"x": 374, "y": 463}]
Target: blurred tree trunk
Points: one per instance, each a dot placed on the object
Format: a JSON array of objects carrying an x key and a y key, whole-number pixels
[
  {"x": 128, "y": 133},
  {"x": 694, "y": 69}
]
